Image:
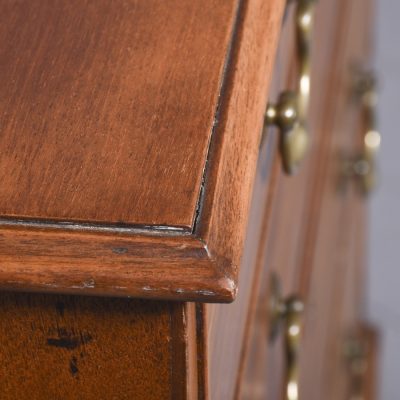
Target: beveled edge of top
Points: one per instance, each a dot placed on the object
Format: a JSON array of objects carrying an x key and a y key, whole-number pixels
[{"x": 160, "y": 262}]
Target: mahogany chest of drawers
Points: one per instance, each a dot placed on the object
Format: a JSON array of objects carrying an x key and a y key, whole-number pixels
[{"x": 182, "y": 199}]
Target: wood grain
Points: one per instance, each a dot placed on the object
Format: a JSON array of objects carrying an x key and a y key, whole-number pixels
[
  {"x": 80, "y": 347},
  {"x": 263, "y": 362},
  {"x": 201, "y": 265},
  {"x": 57, "y": 347},
  {"x": 106, "y": 109},
  {"x": 226, "y": 345},
  {"x": 113, "y": 265},
  {"x": 331, "y": 278},
  {"x": 227, "y": 324},
  {"x": 235, "y": 147}
]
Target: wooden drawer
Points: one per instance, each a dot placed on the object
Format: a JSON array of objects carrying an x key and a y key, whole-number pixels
[
  {"x": 281, "y": 236},
  {"x": 201, "y": 222},
  {"x": 316, "y": 277},
  {"x": 98, "y": 254},
  {"x": 333, "y": 274},
  {"x": 227, "y": 325}
]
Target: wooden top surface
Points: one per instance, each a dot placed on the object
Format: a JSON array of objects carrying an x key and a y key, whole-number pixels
[
  {"x": 107, "y": 108},
  {"x": 129, "y": 139}
]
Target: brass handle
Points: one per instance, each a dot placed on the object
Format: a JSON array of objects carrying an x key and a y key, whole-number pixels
[
  {"x": 294, "y": 310},
  {"x": 289, "y": 114},
  {"x": 289, "y": 314},
  {"x": 356, "y": 353},
  {"x": 364, "y": 167}
]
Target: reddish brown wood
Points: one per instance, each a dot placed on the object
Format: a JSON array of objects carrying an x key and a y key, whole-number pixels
[
  {"x": 202, "y": 265},
  {"x": 202, "y": 353},
  {"x": 331, "y": 277},
  {"x": 262, "y": 363},
  {"x": 227, "y": 323},
  {"x": 80, "y": 347},
  {"x": 346, "y": 306},
  {"x": 184, "y": 349},
  {"x": 107, "y": 109},
  {"x": 225, "y": 344},
  {"x": 327, "y": 248},
  {"x": 371, "y": 380},
  {"x": 119, "y": 265},
  {"x": 56, "y": 347},
  {"x": 235, "y": 147}
]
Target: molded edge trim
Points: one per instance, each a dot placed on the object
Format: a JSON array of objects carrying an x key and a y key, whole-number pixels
[
  {"x": 170, "y": 268},
  {"x": 202, "y": 266}
]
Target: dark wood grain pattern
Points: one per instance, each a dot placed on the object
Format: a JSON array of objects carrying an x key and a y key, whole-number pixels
[
  {"x": 106, "y": 109},
  {"x": 56, "y": 347},
  {"x": 200, "y": 265}
]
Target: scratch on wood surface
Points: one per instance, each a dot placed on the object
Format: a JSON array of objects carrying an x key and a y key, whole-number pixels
[
  {"x": 69, "y": 341},
  {"x": 89, "y": 284}
]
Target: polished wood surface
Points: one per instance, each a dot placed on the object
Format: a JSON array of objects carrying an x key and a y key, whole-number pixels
[
  {"x": 328, "y": 249},
  {"x": 211, "y": 222},
  {"x": 336, "y": 255},
  {"x": 108, "y": 108},
  {"x": 112, "y": 264},
  {"x": 201, "y": 264},
  {"x": 224, "y": 344},
  {"x": 226, "y": 354},
  {"x": 333, "y": 272},
  {"x": 57, "y": 347},
  {"x": 263, "y": 361}
]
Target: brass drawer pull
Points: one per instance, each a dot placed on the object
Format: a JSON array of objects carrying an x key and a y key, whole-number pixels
[
  {"x": 364, "y": 167},
  {"x": 288, "y": 314},
  {"x": 356, "y": 353},
  {"x": 289, "y": 114},
  {"x": 294, "y": 310}
]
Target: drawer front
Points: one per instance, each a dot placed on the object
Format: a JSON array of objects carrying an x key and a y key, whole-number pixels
[
  {"x": 224, "y": 326},
  {"x": 297, "y": 227},
  {"x": 276, "y": 225},
  {"x": 227, "y": 325},
  {"x": 333, "y": 275}
]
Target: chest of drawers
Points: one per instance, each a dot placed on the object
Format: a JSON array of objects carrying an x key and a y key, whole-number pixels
[{"x": 172, "y": 226}]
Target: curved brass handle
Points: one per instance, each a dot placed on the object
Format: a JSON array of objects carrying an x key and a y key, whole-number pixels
[
  {"x": 290, "y": 112},
  {"x": 364, "y": 166},
  {"x": 289, "y": 314},
  {"x": 294, "y": 310},
  {"x": 356, "y": 351}
]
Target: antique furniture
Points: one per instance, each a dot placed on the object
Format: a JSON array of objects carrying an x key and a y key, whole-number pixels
[{"x": 160, "y": 159}]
